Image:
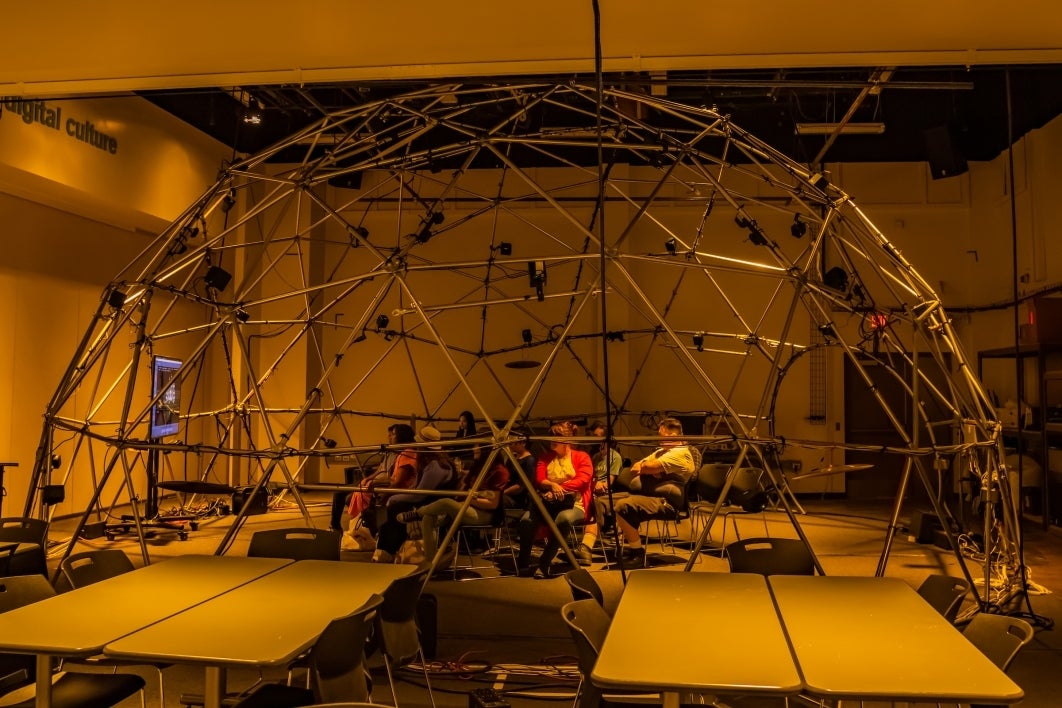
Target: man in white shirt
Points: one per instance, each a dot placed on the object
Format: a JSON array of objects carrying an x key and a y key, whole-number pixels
[{"x": 657, "y": 489}]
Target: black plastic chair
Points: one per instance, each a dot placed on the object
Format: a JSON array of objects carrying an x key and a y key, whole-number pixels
[
  {"x": 7, "y": 554},
  {"x": 999, "y": 637},
  {"x": 336, "y": 665},
  {"x": 746, "y": 494},
  {"x": 81, "y": 569},
  {"x": 31, "y": 535},
  {"x": 770, "y": 556},
  {"x": 396, "y": 634},
  {"x": 944, "y": 593},
  {"x": 69, "y": 690},
  {"x": 583, "y": 586},
  {"x": 669, "y": 518},
  {"x": 588, "y": 624},
  {"x": 296, "y": 544}
]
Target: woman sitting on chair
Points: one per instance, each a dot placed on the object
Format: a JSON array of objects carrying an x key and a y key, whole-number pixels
[
  {"x": 563, "y": 478},
  {"x": 398, "y": 470}
]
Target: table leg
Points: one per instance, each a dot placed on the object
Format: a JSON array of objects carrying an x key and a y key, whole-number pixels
[
  {"x": 214, "y": 689},
  {"x": 671, "y": 699},
  {"x": 44, "y": 681}
]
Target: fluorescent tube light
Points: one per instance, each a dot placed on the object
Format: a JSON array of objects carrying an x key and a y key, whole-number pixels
[{"x": 848, "y": 129}]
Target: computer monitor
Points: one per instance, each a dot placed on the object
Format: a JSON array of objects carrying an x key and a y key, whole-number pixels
[{"x": 166, "y": 411}]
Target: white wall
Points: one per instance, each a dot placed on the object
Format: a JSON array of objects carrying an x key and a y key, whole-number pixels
[{"x": 73, "y": 216}]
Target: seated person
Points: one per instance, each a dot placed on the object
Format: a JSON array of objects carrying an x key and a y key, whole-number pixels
[
  {"x": 515, "y": 493},
  {"x": 465, "y": 455},
  {"x": 656, "y": 489},
  {"x": 562, "y": 477},
  {"x": 483, "y": 509},
  {"x": 341, "y": 500},
  {"x": 436, "y": 471},
  {"x": 397, "y": 470},
  {"x": 607, "y": 465}
]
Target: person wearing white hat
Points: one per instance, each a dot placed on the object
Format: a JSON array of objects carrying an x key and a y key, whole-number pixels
[{"x": 436, "y": 471}]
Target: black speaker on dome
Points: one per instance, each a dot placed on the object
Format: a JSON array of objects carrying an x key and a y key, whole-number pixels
[{"x": 943, "y": 153}]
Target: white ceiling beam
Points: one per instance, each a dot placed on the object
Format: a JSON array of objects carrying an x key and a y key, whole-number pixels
[{"x": 123, "y": 45}]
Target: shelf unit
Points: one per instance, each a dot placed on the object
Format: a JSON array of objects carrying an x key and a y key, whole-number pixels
[{"x": 1044, "y": 431}]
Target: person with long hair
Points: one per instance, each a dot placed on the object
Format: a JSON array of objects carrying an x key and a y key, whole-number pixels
[
  {"x": 466, "y": 428},
  {"x": 397, "y": 470},
  {"x": 563, "y": 479}
]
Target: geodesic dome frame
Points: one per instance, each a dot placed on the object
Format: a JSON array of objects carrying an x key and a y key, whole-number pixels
[{"x": 486, "y": 247}]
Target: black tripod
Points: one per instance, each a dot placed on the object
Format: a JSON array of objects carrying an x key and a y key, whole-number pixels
[{"x": 150, "y": 519}]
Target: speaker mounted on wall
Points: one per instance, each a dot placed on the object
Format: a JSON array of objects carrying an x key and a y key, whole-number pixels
[{"x": 943, "y": 153}]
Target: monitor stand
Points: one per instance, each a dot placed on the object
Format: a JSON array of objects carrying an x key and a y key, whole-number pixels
[{"x": 151, "y": 519}]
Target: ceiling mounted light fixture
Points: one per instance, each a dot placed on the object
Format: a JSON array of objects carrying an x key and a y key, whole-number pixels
[
  {"x": 845, "y": 129},
  {"x": 252, "y": 112},
  {"x": 527, "y": 336}
]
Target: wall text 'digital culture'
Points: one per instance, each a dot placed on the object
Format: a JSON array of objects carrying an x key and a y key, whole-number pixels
[{"x": 51, "y": 116}]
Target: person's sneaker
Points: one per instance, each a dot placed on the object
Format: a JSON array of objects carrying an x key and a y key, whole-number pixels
[
  {"x": 407, "y": 517},
  {"x": 584, "y": 555}
]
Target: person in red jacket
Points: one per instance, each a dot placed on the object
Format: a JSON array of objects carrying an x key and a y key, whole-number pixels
[{"x": 563, "y": 478}]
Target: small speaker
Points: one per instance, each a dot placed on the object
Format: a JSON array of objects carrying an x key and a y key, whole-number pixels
[
  {"x": 217, "y": 277},
  {"x": 259, "y": 504},
  {"x": 923, "y": 527},
  {"x": 943, "y": 154}
]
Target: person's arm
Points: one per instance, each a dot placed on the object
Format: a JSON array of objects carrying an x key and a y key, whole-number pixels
[
  {"x": 405, "y": 472},
  {"x": 613, "y": 463},
  {"x": 584, "y": 473},
  {"x": 676, "y": 461},
  {"x": 485, "y": 499},
  {"x": 648, "y": 465},
  {"x": 549, "y": 489}
]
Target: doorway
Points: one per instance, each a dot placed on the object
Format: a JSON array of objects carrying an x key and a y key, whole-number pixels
[{"x": 867, "y": 424}]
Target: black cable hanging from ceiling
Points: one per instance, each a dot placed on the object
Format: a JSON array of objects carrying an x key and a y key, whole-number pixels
[{"x": 602, "y": 261}]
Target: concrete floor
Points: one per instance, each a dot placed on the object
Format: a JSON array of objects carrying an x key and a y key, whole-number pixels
[{"x": 506, "y": 632}]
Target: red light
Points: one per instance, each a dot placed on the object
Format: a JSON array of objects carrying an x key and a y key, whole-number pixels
[{"x": 879, "y": 322}]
